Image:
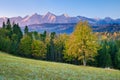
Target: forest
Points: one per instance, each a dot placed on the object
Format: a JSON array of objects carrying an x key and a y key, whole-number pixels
[{"x": 81, "y": 47}]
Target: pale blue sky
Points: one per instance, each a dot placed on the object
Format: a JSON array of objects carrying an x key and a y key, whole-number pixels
[{"x": 88, "y": 8}]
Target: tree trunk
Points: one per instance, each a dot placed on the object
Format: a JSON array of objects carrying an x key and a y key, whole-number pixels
[{"x": 84, "y": 62}]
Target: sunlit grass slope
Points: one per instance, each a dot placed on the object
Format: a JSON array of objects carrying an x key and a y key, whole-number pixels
[{"x": 16, "y": 68}]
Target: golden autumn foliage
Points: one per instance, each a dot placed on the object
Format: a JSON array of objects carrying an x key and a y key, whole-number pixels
[{"x": 82, "y": 43}]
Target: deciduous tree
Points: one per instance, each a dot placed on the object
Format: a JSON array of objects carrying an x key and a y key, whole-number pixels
[
  {"x": 82, "y": 43},
  {"x": 38, "y": 49}
]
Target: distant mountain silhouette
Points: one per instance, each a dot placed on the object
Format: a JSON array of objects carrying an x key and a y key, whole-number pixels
[{"x": 59, "y": 23}]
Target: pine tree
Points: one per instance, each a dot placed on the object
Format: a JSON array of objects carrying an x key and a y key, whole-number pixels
[
  {"x": 59, "y": 45},
  {"x": 8, "y": 25},
  {"x": 52, "y": 52},
  {"x": 15, "y": 38},
  {"x": 26, "y": 30},
  {"x": 9, "y": 28},
  {"x": 117, "y": 59},
  {"x": 117, "y": 55},
  {"x": 3, "y": 26},
  {"x": 18, "y": 32},
  {"x": 104, "y": 55},
  {"x": 43, "y": 36}
]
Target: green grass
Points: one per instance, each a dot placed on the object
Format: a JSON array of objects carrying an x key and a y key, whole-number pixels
[{"x": 16, "y": 68}]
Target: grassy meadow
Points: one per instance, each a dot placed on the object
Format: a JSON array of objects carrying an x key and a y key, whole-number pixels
[{"x": 16, "y": 68}]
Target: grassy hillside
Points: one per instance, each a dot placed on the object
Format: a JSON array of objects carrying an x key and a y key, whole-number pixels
[{"x": 16, "y": 68}]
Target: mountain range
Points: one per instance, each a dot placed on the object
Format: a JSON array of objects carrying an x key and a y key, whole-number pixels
[{"x": 59, "y": 23}]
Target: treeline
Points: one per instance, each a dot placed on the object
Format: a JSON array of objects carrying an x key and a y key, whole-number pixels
[{"x": 81, "y": 47}]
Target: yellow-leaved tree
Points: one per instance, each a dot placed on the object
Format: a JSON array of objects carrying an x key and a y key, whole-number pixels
[{"x": 82, "y": 43}]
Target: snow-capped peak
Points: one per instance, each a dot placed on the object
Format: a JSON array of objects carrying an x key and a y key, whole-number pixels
[
  {"x": 52, "y": 18},
  {"x": 49, "y": 18},
  {"x": 65, "y": 15},
  {"x": 26, "y": 18},
  {"x": 3, "y": 17},
  {"x": 35, "y": 14},
  {"x": 48, "y": 14}
]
